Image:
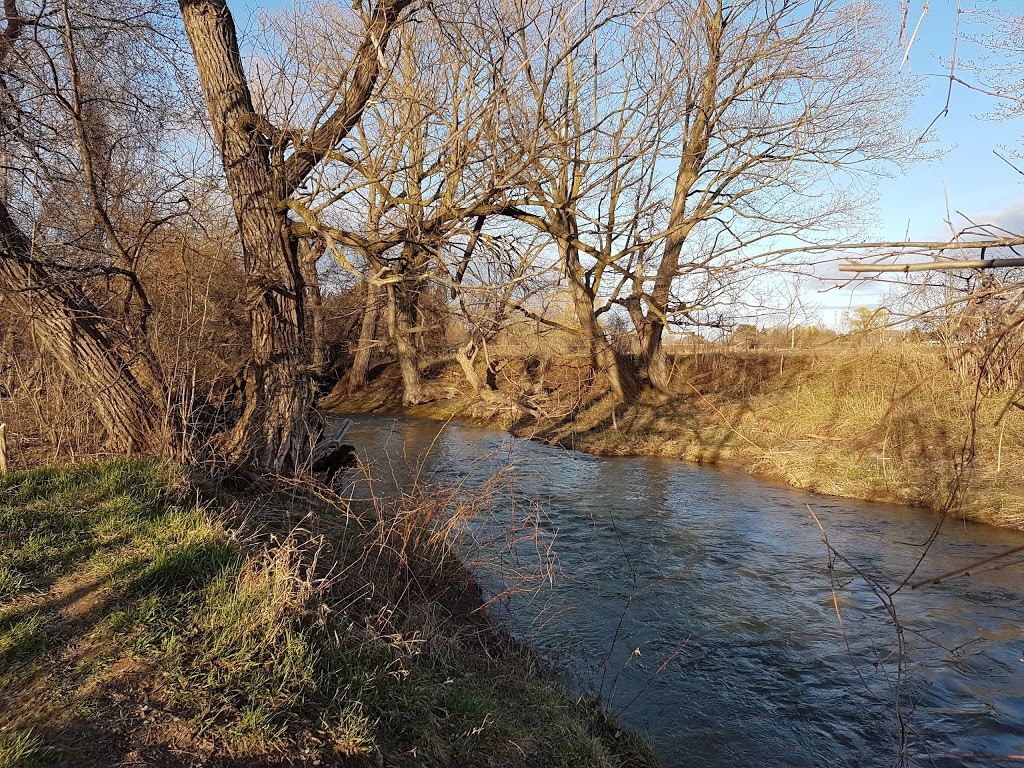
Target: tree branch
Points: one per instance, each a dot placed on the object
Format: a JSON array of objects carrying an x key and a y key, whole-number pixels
[
  {"x": 932, "y": 266},
  {"x": 366, "y": 69},
  {"x": 13, "y": 26}
]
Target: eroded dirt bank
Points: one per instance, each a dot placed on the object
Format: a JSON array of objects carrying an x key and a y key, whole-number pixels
[{"x": 854, "y": 424}]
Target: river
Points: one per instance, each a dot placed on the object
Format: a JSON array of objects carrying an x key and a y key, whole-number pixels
[{"x": 701, "y": 605}]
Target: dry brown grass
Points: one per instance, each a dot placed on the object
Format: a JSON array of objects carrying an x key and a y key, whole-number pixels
[
  {"x": 890, "y": 423},
  {"x": 886, "y": 423}
]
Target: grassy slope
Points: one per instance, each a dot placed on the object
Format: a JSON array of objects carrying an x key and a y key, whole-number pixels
[
  {"x": 880, "y": 424},
  {"x": 146, "y": 617}
]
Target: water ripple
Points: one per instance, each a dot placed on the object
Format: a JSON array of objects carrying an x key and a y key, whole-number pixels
[{"x": 700, "y": 603}]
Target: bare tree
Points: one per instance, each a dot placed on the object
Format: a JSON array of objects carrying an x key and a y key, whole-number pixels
[
  {"x": 763, "y": 109},
  {"x": 265, "y": 165},
  {"x": 82, "y": 198},
  {"x": 88, "y": 158},
  {"x": 999, "y": 68},
  {"x": 969, "y": 294},
  {"x": 410, "y": 182},
  {"x": 775, "y": 102},
  {"x": 585, "y": 111}
]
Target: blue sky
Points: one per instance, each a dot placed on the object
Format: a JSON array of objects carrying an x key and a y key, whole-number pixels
[{"x": 974, "y": 180}]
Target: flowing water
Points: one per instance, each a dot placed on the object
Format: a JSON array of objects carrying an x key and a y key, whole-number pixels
[{"x": 702, "y": 607}]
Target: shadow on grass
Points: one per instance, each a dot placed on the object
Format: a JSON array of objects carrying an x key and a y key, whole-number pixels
[
  {"x": 187, "y": 567},
  {"x": 90, "y": 545}
]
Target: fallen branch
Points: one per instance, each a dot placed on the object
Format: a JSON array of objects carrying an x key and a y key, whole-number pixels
[{"x": 923, "y": 266}]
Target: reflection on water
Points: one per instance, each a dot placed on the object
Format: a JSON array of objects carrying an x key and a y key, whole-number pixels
[{"x": 700, "y": 605}]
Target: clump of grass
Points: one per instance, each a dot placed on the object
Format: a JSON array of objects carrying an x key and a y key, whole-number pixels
[
  {"x": 12, "y": 581},
  {"x": 20, "y": 749},
  {"x": 235, "y": 633},
  {"x": 22, "y": 637}
]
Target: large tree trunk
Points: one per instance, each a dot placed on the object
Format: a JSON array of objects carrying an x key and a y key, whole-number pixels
[
  {"x": 681, "y": 221},
  {"x": 273, "y": 430},
  {"x": 403, "y": 315},
  {"x": 654, "y": 360},
  {"x": 402, "y": 329},
  {"x": 121, "y": 377},
  {"x": 650, "y": 331}
]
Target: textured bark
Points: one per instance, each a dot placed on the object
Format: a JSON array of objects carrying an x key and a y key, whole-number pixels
[
  {"x": 602, "y": 356},
  {"x": 122, "y": 378},
  {"x": 401, "y": 329},
  {"x": 404, "y": 295},
  {"x": 272, "y": 430},
  {"x": 308, "y": 257},
  {"x": 654, "y": 360}
]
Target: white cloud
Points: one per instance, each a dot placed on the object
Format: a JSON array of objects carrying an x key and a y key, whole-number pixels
[{"x": 1009, "y": 218}]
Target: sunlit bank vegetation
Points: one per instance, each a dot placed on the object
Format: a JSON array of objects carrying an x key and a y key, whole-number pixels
[{"x": 146, "y": 610}]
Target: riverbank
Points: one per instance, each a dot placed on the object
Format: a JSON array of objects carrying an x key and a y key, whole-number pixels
[
  {"x": 149, "y": 613},
  {"x": 701, "y": 604},
  {"x": 887, "y": 426}
]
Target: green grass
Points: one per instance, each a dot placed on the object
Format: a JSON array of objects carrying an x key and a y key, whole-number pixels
[
  {"x": 54, "y": 519},
  {"x": 20, "y": 749},
  {"x": 22, "y": 637},
  {"x": 12, "y": 581},
  {"x": 132, "y": 596}
]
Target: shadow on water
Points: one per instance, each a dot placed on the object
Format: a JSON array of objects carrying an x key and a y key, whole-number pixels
[{"x": 699, "y": 604}]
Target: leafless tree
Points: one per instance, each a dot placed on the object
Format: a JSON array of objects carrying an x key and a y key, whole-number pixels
[
  {"x": 584, "y": 108},
  {"x": 78, "y": 151},
  {"x": 766, "y": 111},
  {"x": 776, "y": 104},
  {"x": 84, "y": 195},
  {"x": 414, "y": 183},
  {"x": 265, "y": 165},
  {"x": 969, "y": 295},
  {"x": 645, "y": 160}
]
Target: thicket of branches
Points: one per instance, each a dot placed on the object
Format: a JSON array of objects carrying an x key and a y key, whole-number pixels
[{"x": 188, "y": 228}]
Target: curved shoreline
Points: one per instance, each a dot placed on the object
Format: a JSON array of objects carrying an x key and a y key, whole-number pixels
[
  {"x": 696, "y": 434},
  {"x": 140, "y": 597}
]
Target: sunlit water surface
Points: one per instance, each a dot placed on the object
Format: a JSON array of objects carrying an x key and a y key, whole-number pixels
[{"x": 700, "y": 605}]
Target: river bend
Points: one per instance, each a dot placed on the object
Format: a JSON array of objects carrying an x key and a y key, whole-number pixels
[{"x": 701, "y": 605}]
